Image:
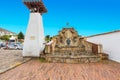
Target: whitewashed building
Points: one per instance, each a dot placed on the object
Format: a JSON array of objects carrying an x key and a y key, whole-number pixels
[{"x": 110, "y": 42}]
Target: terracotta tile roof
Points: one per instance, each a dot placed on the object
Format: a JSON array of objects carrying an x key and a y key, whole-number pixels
[
  {"x": 105, "y": 33},
  {"x": 5, "y": 31}
]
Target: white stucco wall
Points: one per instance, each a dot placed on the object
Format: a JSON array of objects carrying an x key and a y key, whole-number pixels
[
  {"x": 34, "y": 38},
  {"x": 111, "y": 44}
]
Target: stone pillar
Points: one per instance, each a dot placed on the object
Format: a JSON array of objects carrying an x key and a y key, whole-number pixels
[
  {"x": 34, "y": 38},
  {"x": 48, "y": 49},
  {"x": 100, "y": 48}
]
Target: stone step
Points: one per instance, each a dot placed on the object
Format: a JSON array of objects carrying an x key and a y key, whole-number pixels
[
  {"x": 75, "y": 54},
  {"x": 73, "y": 59}
]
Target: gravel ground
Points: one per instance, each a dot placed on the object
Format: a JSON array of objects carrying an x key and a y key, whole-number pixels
[{"x": 10, "y": 59}]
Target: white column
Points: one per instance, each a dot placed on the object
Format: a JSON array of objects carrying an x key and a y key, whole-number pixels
[{"x": 34, "y": 38}]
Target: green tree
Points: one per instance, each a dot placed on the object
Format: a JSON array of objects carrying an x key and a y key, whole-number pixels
[
  {"x": 48, "y": 38},
  {"x": 5, "y": 37},
  {"x": 20, "y": 35}
]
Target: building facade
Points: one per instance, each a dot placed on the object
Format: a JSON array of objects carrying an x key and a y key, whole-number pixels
[{"x": 110, "y": 42}]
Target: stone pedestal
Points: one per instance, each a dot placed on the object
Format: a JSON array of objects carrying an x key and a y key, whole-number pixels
[{"x": 34, "y": 38}]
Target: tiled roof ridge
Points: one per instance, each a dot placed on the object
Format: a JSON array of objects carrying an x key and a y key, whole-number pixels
[
  {"x": 105, "y": 33},
  {"x": 5, "y": 30}
]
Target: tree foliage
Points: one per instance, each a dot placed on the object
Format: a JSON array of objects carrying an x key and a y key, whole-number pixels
[
  {"x": 5, "y": 37},
  {"x": 48, "y": 38},
  {"x": 20, "y": 35}
]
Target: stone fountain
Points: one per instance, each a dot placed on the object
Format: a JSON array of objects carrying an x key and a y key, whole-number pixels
[{"x": 69, "y": 47}]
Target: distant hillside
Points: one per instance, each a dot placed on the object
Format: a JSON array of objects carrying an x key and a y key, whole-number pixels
[{"x": 6, "y": 32}]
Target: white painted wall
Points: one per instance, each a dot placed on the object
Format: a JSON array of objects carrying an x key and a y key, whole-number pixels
[
  {"x": 111, "y": 44},
  {"x": 34, "y": 38}
]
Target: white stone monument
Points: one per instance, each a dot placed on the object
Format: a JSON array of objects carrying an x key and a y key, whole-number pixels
[{"x": 34, "y": 38}]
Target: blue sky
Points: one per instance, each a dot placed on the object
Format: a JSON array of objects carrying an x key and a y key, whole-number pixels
[{"x": 88, "y": 17}]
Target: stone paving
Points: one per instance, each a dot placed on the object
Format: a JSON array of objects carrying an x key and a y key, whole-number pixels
[
  {"x": 35, "y": 70},
  {"x": 10, "y": 59}
]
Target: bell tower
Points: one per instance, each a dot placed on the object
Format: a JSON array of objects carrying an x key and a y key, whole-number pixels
[{"x": 34, "y": 38}]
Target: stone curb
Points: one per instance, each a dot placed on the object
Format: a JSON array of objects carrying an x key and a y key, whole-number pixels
[{"x": 14, "y": 66}]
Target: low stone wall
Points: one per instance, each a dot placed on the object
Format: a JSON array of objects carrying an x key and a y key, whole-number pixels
[{"x": 78, "y": 59}]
